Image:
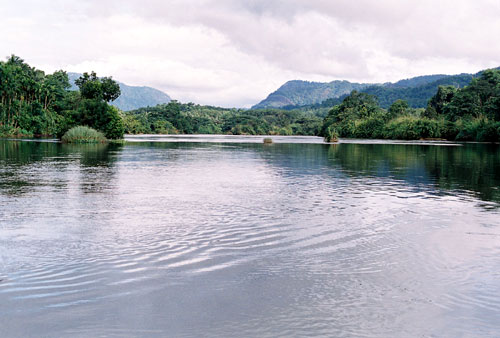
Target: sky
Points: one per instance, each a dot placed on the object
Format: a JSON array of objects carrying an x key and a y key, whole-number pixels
[{"x": 233, "y": 53}]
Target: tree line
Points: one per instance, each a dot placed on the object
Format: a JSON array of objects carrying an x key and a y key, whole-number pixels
[
  {"x": 190, "y": 118},
  {"x": 33, "y": 103},
  {"x": 471, "y": 113}
]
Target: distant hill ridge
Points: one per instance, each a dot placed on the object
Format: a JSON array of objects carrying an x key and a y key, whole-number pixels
[
  {"x": 417, "y": 91},
  {"x": 132, "y": 97},
  {"x": 301, "y": 93}
]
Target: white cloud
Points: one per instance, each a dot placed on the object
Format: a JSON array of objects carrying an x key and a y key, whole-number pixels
[{"x": 234, "y": 52}]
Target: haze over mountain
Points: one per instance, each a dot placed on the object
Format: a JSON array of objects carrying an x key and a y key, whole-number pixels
[
  {"x": 417, "y": 91},
  {"x": 301, "y": 93},
  {"x": 132, "y": 97}
]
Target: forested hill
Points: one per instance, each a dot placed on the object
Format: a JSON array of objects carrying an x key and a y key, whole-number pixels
[
  {"x": 416, "y": 91},
  {"x": 302, "y": 93},
  {"x": 132, "y": 97},
  {"x": 416, "y": 96}
]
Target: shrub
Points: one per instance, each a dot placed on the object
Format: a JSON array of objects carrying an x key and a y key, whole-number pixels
[
  {"x": 6, "y": 131},
  {"x": 412, "y": 128},
  {"x": 331, "y": 135},
  {"x": 449, "y": 130},
  {"x": 480, "y": 129},
  {"x": 372, "y": 127},
  {"x": 490, "y": 132},
  {"x": 83, "y": 134},
  {"x": 113, "y": 127}
]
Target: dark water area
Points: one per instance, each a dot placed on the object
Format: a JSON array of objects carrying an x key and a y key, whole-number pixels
[{"x": 226, "y": 236}]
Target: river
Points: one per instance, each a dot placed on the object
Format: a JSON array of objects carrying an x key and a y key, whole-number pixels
[{"x": 224, "y": 236}]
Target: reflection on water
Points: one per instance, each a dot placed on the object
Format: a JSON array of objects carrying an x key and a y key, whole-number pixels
[
  {"x": 216, "y": 238},
  {"x": 471, "y": 168}
]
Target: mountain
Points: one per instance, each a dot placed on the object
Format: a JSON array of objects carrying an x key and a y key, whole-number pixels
[
  {"x": 132, "y": 97},
  {"x": 301, "y": 93},
  {"x": 418, "y": 95},
  {"x": 417, "y": 91},
  {"x": 415, "y": 81}
]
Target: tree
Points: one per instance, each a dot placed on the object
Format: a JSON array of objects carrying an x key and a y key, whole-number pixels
[
  {"x": 480, "y": 99},
  {"x": 437, "y": 103},
  {"x": 398, "y": 108},
  {"x": 354, "y": 107},
  {"x": 94, "y": 110},
  {"x": 94, "y": 88}
]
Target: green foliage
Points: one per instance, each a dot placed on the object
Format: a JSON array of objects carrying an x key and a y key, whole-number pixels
[
  {"x": 412, "y": 128},
  {"x": 175, "y": 117},
  {"x": 29, "y": 99},
  {"x": 83, "y": 134},
  {"x": 112, "y": 124},
  {"x": 92, "y": 87},
  {"x": 416, "y": 91},
  {"x": 6, "y": 131},
  {"x": 417, "y": 96},
  {"x": 331, "y": 135},
  {"x": 437, "y": 103},
  {"x": 480, "y": 99},
  {"x": 371, "y": 127},
  {"x": 471, "y": 113},
  {"x": 355, "y": 107},
  {"x": 397, "y": 109},
  {"x": 480, "y": 129},
  {"x": 131, "y": 97},
  {"x": 33, "y": 103}
]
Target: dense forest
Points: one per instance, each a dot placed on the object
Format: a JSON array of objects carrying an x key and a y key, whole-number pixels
[
  {"x": 178, "y": 118},
  {"x": 33, "y": 103},
  {"x": 471, "y": 113}
]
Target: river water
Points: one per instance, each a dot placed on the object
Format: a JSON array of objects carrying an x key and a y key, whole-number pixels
[{"x": 229, "y": 237}]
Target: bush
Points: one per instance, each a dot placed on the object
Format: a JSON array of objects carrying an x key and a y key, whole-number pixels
[
  {"x": 372, "y": 127},
  {"x": 412, "y": 128},
  {"x": 101, "y": 116},
  {"x": 489, "y": 132},
  {"x": 6, "y": 131},
  {"x": 331, "y": 135},
  {"x": 449, "y": 130},
  {"x": 83, "y": 134},
  {"x": 113, "y": 127},
  {"x": 481, "y": 130}
]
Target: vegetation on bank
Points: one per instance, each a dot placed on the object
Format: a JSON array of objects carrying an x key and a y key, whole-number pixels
[
  {"x": 33, "y": 103},
  {"x": 83, "y": 134},
  {"x": 178, "y": 118},
  {"x": 471, "y": 113},
  {"x": 331, "y": 135}
]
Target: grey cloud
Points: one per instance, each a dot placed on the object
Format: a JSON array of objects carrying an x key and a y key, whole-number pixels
[{"x": 252, "y": 46}]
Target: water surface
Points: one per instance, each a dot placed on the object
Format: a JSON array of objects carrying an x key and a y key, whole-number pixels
[{"x": 226, "y": 236}]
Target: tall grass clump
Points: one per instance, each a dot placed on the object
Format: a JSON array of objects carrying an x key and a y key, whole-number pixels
[
  {"x": 83, "y": 134},
  {"x": 331, "y": 135}
]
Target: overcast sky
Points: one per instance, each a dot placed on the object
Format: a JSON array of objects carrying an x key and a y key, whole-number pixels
[{"x": 235, "y": 52}]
